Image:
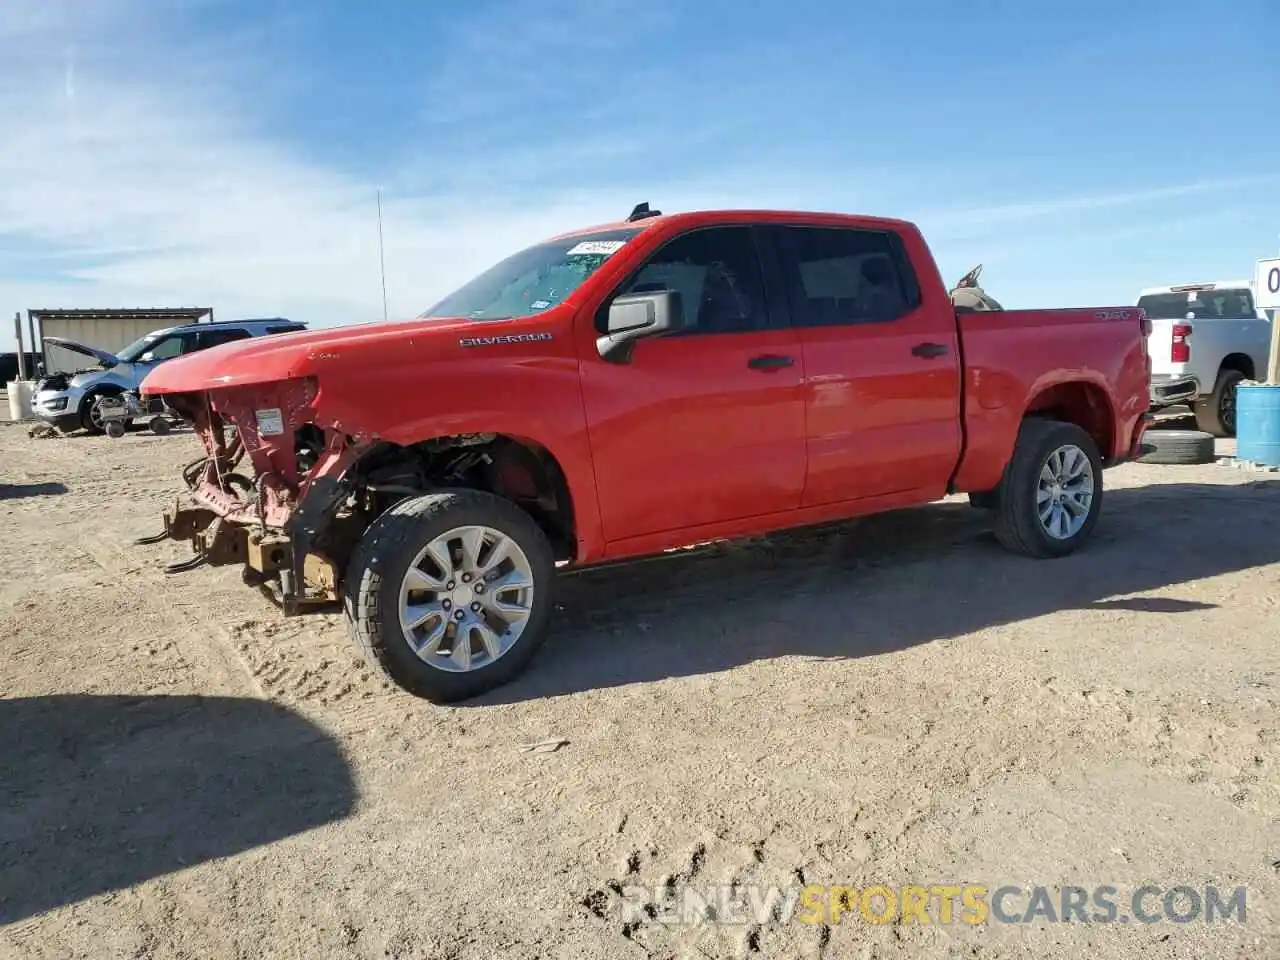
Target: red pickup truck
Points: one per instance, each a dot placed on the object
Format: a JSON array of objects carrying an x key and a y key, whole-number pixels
[{"x": 629, "y": 389}]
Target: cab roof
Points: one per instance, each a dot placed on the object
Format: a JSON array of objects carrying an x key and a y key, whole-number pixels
[
  {"x": 1198, "y": 285},
  {"x": 694, "y": 217}
]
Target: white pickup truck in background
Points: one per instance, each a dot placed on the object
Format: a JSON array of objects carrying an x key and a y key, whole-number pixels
[{"x": 1205, "y": 338}]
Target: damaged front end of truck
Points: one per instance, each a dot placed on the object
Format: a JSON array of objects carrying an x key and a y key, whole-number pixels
[{"x": 269, "y": 493}]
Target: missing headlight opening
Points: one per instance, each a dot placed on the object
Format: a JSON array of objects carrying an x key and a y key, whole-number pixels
[{"x": 289, "y": 498}]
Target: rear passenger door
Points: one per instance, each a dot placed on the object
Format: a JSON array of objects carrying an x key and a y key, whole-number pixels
[
  {"x": 882, "y": 371},
  {"x": 705, "y": 426},
  {"x": 213, "y": 338}
]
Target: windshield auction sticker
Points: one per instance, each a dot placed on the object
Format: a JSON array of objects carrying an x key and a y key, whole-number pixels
[{"x": 596, "y": 248}]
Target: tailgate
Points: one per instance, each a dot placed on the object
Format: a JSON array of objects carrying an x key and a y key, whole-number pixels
[{"x": 1160, "y": 349}]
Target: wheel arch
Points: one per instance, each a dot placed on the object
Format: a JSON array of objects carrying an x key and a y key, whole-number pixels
[
  {"x": 1083, "y": 403},
  {"x": 91, "y": 393},
  {"x": 509, "y": 465},
  {"x": 101, "y": 389},
  {"x": 1240, "y": 362}
]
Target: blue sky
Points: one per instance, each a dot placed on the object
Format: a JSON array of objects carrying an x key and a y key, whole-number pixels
[{"x": 229, "y": 151}]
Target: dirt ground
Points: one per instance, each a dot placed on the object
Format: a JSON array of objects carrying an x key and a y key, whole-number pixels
[{"x": 188, "y": 774}]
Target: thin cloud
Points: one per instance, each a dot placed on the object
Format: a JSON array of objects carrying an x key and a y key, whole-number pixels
[{"x": 1030, "y": 210}]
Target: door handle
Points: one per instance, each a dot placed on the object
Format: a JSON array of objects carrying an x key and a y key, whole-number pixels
[
  {"x": 928, "y": 350},
  {"x": 769, "y": 361}
]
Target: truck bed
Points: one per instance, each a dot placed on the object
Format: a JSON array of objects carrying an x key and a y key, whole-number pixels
[{"x": 1002, "y": 356}]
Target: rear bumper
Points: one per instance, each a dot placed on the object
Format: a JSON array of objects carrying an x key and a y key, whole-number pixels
[
  {"x": 1167, "y": 389},
  {"x": 1135, "y": 442}
]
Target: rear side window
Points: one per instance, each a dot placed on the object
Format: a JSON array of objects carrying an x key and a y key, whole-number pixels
[
  {"x": 212, "y": 338},
  {"x": 1226, "y": 304},
  {"x": 285, "y": 328},
  {"x": 836, "y": 275},
  {"x": 716, "y": 271}
]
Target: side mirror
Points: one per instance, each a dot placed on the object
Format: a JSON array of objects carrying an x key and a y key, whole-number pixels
[
  {"x": 638, "y": 316},
  {"x": 147, "y": 357}
]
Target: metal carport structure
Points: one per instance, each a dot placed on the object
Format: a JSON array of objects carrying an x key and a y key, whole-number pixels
[{"x": 106, "y": 328}]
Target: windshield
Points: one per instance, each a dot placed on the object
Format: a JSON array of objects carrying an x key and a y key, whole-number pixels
[
  {"x": 535, "y": 279},
  {"x": 136, "y": 349},
  {"x": 1231, "y": 303}
]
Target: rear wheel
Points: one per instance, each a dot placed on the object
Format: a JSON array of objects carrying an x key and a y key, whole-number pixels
[
  {"x": 448, "y": 595},
  {"x": 1051, "y": 493},
  {"x": 1216, "y": 413}
]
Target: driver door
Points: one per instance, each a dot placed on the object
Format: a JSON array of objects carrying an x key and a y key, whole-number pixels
[{"x": 705, "y": 426}]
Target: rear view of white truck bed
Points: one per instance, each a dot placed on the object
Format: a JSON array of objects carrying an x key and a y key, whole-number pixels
[{"x": 1205, "y": 339}]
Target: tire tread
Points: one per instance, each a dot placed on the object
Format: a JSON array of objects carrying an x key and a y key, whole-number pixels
[
  {"x": 1017, "y": 525},
  {"x": 396, "y": 530},
  {"x": 1208, "y": 418},
  {"x": 1178, "y": 447}
]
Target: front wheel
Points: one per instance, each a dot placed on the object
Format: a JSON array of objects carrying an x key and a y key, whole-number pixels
[
  {"x": 91, "y": 415},
  {"x": 1051, "y": 494},
  {"x": 448, "y": 595}
]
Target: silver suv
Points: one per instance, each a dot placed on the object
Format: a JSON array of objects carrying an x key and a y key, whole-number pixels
[{"x": 70, "y": 400}]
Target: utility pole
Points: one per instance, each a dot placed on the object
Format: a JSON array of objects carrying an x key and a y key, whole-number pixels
[
  {"x": 382, "y": 260},
  {"x": 22, "y": 352},
  {"x": 1273, "y": 361}
]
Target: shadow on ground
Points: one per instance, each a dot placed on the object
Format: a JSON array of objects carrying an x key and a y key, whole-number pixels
[
  {"x": 17, "y": 491},
  {"x": 885, "y": 583},
  {"x": 100, "y": 793}
]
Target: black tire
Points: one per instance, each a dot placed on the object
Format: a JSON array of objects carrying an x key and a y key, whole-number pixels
[
  {"x": 1018, "y": 526},
  {"x": 86, "y": 413},
  {"x": 1181, "y": 447},
  {"x": 159, "y": 426},
  {"x": 1216, "y": 413},
  {"x": 371, "y": 593},
  {"x": 984, "y": 500}
]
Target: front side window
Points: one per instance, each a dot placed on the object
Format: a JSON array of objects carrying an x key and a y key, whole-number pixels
[
  {"x": 716, "y": 271},
  {"x": 535, "y": 279},
  {"x": 840, "y": 276},
  {"x": 174, "y": 345},
  {"x": 140, "y": 346}
]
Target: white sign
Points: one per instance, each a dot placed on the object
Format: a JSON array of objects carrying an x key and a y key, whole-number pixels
[
  {"x": 606, "y": 247},
  {"x": 1266, "y": 290},
  {"x": 270, "y": 422}
]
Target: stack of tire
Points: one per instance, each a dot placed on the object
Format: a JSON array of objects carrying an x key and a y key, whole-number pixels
[{"x": 1215, "y": 417}]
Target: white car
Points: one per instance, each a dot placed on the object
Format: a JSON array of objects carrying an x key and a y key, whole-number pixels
[
  {"x": 70, "y": 400},
  {"x": 1205, "y": 338}
]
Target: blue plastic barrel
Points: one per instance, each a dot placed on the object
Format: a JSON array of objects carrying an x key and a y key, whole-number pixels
[{"x": 1258, "y": 424}]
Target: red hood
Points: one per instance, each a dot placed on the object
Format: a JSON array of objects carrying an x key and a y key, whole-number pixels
[{"x": 285, "y": 356}]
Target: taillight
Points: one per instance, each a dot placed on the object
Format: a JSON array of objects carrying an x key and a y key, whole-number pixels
[{"x": 1180, "y": 349}]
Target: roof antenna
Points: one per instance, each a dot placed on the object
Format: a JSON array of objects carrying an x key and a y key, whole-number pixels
[
  {"x": 382, "y": 259},
  {"x": 642, "y": 212}
]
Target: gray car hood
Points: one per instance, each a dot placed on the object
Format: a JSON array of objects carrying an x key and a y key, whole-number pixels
[{"x": 102, "y": 356}]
